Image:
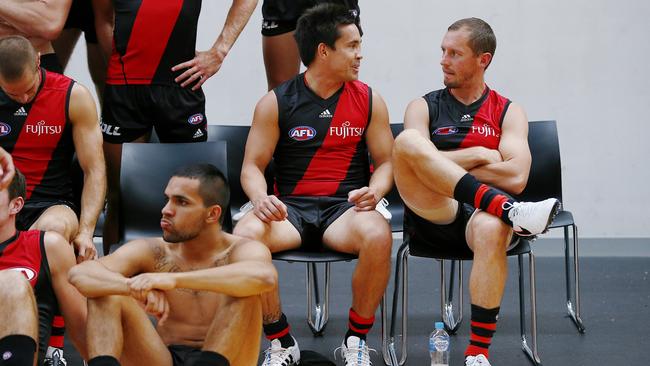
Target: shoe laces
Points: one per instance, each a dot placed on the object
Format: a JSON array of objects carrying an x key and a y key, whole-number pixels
[
  {"x": 359, "y": 355},
  {"x": 277, "y": 357},
  {"x": 517, "y": 208},
  {"x": 478, "y": 360}
]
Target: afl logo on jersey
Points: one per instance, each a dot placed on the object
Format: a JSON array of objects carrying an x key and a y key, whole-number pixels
[
  {"x": 5, "y": 129},
  {"x": 444, "y": 131},
  {"x": 28, "y": 272},
  {"x": 195, "y": 119},
  {"x": 302, "y": 133}
]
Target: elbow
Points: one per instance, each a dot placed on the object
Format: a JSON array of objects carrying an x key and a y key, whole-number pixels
[
  {"x": 268, "y": 278},
  {"x": 50, "y": 30},
  {"x": 518, "y": 184},
  {"x": 75, "y": 277}
]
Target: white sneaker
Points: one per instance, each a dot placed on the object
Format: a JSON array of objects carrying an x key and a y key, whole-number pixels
[
  {"x": 532, "y": 218},
  {"x": 381, "y": 208},
  {"x": 54, "y": 357},
  {"x": 275, "y": 355},
  {"x": 356, "y": 353},
  {"x": 478, "y": 360}
]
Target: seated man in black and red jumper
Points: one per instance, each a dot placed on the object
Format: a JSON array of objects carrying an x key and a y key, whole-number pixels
[
  {"x": 34, "y": 283},
  {"x": 319, "y": 127},
  {"x": 461, "y": 147}
]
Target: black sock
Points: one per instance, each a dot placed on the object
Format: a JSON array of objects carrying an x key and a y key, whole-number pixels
[
  {"x": 279, "y": 330},
  {"x": 358, "y": 326},
  {"x": 482, "y": 328},
  {"x": 103, "y": 361},
  {"x": 17, "y": 350},
  {"x": 209, "y": 358},
  {"x": 491, "y": 200}
]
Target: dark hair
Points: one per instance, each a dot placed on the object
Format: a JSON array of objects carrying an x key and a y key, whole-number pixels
[
  {"x": 213, "y": 185},
  {"x": 17, "y": 186},
  {"x": 16, "y": 55},
  {"x": 320, "y": 25},
  {"x": 481, "y": 36}
]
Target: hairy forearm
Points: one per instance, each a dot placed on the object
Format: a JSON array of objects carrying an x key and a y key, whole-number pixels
[
  {"x": 92, "y": 279},
  {"x": 238, "y": 16},
  {"x": 506, "y": 176},
  {"x": 39, "y": 19},
  {"x": 92, "y": 198},
  {"x": 382, "y": 179},
  {"x": 239, "y": 279}
]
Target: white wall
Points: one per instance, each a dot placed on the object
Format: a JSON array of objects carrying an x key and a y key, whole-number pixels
[{"x": 583, "y": 63}]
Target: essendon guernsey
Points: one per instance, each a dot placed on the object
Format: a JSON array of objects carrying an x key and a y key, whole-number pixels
[
  {"x": 453, "y": 125},
  {"x": 25, "y": 253},
  {"x": 39, "y": 137},
  {"x": 322, "y": 149},
  {"x": 149, "y": 38}
]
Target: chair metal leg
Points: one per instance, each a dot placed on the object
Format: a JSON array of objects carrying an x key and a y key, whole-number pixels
[
  {"x": 317, "y": 310},
  {"x": 574, "y": 312},
  {"x": 531, "y": 353},
  {"x": 452, "y": 323},
  {"x": 395, "y": 341}
]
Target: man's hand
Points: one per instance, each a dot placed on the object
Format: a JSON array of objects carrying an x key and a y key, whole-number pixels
[
  {"x": 84, "y": 246},
  {"x": 270, "y": 208},
  {"x": 492, "y": 156},
  {"x": 157, "y": 305},
  {"x": 364, "y": 199},
  {"x": 141, "y": 285},
  {"x": 201, "y": 68},
  {"x": 7, "y": 169}
]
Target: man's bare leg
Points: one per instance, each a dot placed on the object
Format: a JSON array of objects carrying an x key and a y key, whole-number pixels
[
  {"x": 368, "y": 235},
  {"x": 234, "y": 332},
  {"x": 277, "y": 236},
  {"x": 18, "y": 320},
  {"x": 119, "y": 328},
  {"x": 418, "y": 164},
  {"x": 281, "y": 58},
  {"x": 59, "y": 218},
  {"x": 113, "y": 156}
]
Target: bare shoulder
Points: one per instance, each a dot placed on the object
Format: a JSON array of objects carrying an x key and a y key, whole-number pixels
[
  {"x": 56, "y": 245},
  {"x": 139, "y": 254},
  {"x": 82, "y": 108},
  {"x": 515, "y": 118}
]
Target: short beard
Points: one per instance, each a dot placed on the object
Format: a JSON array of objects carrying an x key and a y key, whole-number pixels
[{"x": 177, "y": 237}]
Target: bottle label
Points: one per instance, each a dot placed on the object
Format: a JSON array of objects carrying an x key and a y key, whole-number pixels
[{"x": 439, "y": 344}]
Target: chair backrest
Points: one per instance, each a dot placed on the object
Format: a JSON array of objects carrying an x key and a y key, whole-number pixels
[
  {"x": 236, "y": 143},
  {"x": 545, "y": 179},
  {"x": 145, "y": 171},
  {"x": 396, "y": 206}
]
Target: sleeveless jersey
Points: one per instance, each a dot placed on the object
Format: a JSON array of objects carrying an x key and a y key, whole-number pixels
[
  {"x": 38, "y": 135},
  {"x": 322, "y": 149},
  {"x": 149, "y": 38},
  {"x": 25, "y": 252},
  {"x": 453, "y": 125}
]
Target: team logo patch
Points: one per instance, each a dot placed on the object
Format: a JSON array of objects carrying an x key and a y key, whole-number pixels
[
  {"x": 5, "y": 129},
  {"x": 195, "y": 119},
  {"x": 445, "y": 131},
  {"x": 302, "y": 133},
  {"x": 28, "y": 272}
]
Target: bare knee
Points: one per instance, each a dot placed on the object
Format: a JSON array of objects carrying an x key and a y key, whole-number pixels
[
  {"x": 14, "y": 285},
  {"x": 104, "y": 303},
  {"x": 408, "y": 145},
  {"x": 488, "y": 236},
  {"x": 250, "y": 227},
  {"x": 377, "y": 242}
]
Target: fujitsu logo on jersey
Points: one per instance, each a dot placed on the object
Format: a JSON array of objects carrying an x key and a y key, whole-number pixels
[
  {"x": 485, "y": 130},
  {"x": 302, "y": 133},
  {"x": 346, "y": 131},
  {"x": 28, "y": 272},
  {"x": 40, "y": 128}
]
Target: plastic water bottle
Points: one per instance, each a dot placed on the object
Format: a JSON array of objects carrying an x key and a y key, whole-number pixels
[{"x": 439, "y": 346}]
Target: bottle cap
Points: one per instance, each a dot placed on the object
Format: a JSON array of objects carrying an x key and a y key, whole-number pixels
[{"x": 440, "y": 325}]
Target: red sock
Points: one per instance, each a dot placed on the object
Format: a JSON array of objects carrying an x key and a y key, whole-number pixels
[
  {"x": 483, "y": 326},
  {"x": 58, "y": 330},
  {"x": 358, "y": 325}
]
